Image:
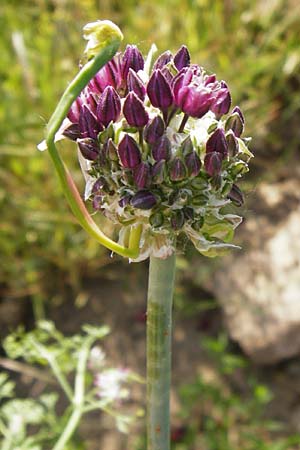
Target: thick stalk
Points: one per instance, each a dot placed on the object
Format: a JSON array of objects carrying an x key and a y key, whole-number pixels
[{"x": 159, "y": 327}]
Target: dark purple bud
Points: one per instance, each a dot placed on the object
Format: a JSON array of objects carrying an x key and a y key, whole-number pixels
[
  {"x": 217, "y": 143},
  {"x": 193, "y": 101},
  {"x": 129, "y": 152},
  {"x": 182, "y": 58},
  {"x": 109, "y": 106},
  {"x": 124, "y": 201},
  {"x": 89, "y": 126},
  {"x": 143, "y": 200},
  {"x": 135, "y": 84},
  {"x": 213, "y": 163},
  {"x": 161, "y": 149},
  {"x": 193, "y": 164},
  {"x": 154, "y": 130},
  {"x": 156, "y": 220},
  {"x": 111, "y": 150},
  {"x": 237, "y": 109},
  {"x": 187, "y": 146},
  {"x": 109, "y": 75},
  {"x": 132, "y": 59},
  {"x": 167, "y": 74},
  {"x": 72, "y": 132},
  {"x": 134, "y": 111},
  {"x": 162, "y": 60},
  {"x": 97, "y": 202},
  {"x": 223, "y": 102},
  {"x": 177, "y": 219},
  {"x": 236, "y": 196},
  {"x": 235, "y": 123},
  {"x": 233, "y": 145},
  {"x": 74, "y": 111},
  {"x": 159, "y": 91},
  {"x": 177, "y": 170},
  {"x": 89, "y": 148},
  {"x": 159, "y": 172},
  {"x": 141, "y": 175},
  {"x": 99, "y": 185}
]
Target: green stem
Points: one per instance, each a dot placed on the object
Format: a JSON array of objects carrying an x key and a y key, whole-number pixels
[{"x": 159, "y": 326}]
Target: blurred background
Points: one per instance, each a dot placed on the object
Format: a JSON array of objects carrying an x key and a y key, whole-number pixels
[{"x": 237, "y": 318}]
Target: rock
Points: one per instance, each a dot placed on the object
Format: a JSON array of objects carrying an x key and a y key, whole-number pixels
[{"x": 259, "y": 287}]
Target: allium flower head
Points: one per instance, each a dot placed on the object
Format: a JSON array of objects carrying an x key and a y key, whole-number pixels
[{"x": 160, "y": 148}]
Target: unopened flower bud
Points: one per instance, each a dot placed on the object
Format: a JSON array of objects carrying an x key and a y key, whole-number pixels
[
  {"x": 161, "y": 149},
  {"x": 187, "y": 146},
  {"x": 89, "y": 148},
  {"x": 188, "y": 213},
  {"x": 141, "y": 175},
  {"x": 162, "y": 60},
  {"x": 237, "y": 109},
  {"x": 159, "y": 172},
  {"x": 213, "y": 163},
  {"x": 74, "y": 111},
  {"x": 72, "y": 132},
  {"x": 159, "y": 91},
  {"x": 222, "y": 104},
  {"x": 111, "y": 150},
  {"x": 124, "y": 201},
  {"x": 135, "y": 84},
  {"x": 156, "y": 220},
  {"x": 89, "y": 126},
  {"x": 143, "y": 200},
  {"x": 236, "y": 195},
  {"x": 177, "y": 170},
  {"x": 182, "y": 58},
  {"x": 177, "y": 219},
  {"x": 109, "y": 106},
  {"x": 154, "y": 130},
  {"x": 217, "y": 143},
  {"x": 129, "y": 152},
  {"x": 193, "y": 164},
  {"x": 134, "y": 111},
  {"x": 132, "y": 59},
  {"x": 233, "y": 145},
  {"x": 235, "y": 123}
]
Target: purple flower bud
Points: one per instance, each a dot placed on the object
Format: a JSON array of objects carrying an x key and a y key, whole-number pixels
[
  {"x": 159, "y": 91},
  {"x": 162, "y": 60},
  {"x": 132, "y": 59},
  {"x": 159, "y": 172},
  {"x": 143, "y": 200},
  {"x": 235, "y": 123},
  {"x": 74, "y": 112},
  {"x": 129, "y": 152},
  {"x": 177, "y": 219},
  {"x": 237, "y": 109},
  {"x": 99, "y": 185},
  {"x": 233, "y": 145},
  {"x": 223, "y": 102},
  {"x": 161, "y": 149},
  {"x": 109, "y": 75},
  {"x": 217, "y": 143},
  {"x": 154, "y": 130},
  {"x": 109, "y": 106},
  {"x": 97, "y": 202},
  {"x": 124, "y": 201},
  {"x": 187, "y": 146},
  {"x": 177, "y": 170},
  {"x": 111, "y": 150},
  {"x": 236, "y": 196},
  {"x": 193, "y": 164},
  {"x": 89, "y": 126},
  {"x": 213, "y": 163},
  {"x": 134, "y": 111},
  {"x": 89, "y": 148},
  {"x": 182, "y": 58},
  {"x": 141, "y": 175},
  {"x": 135, "y": 84},
  {"x": 72, "y": 132},
  {"x": 194, "y": 101}
]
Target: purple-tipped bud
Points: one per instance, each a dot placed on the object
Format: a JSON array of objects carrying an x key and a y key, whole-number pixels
[
  {"x": 159, "y": 172},
  {"x": 177, "y": 170},
  {"x": 134, "y": 111},
  {"x": 237, "y": 109},
  {"x": 159, "y": 91},
  {"x": 187, "y": 146},
  {"x": 135, "y": 84},
  {"x": 193, "y": 164},
  {"x": 97, "y": 202},
  {"x": 161, "y": 149},
  {"x": 111, "y": 150},
  {"x": 217, "y": 143},
  {"x": 74, "y": 112},
  {"x": 177, "y": 219},
  {"x": 236, "y": 196},
  {"x": 154, "y": 130},
  {"x": 162, "y": 60},
  {"x": 72, "y": 132},
  {"x": 132, "y": 59},
  {"x": 89, "y": 126},
  {"x": 233, "y": 145},
  {"x": 124, "y": 201},
  {"x": 213, "y": 163},
  {"x": 109, "y": 106},
  {"x": 222, "y": 104},
  {"x": 182, "y": 58},
  {"x": 235, "y": 123},
  {"x": 89, "y": 148},
  {"x": 141, "y": 175},
  {"x": 100, "y": 185},
  {"x": 129, "y": 152},
  {"x": 143, "y": 200}
]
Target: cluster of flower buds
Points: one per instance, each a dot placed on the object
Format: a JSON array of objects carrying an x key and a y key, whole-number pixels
[{"x": 161, "y": 147}]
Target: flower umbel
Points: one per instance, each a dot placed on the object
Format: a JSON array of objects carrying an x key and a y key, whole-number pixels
[{"x": 162, "y": 150}]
